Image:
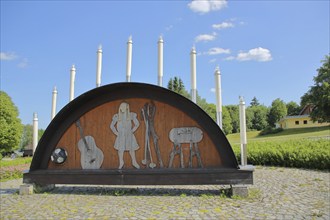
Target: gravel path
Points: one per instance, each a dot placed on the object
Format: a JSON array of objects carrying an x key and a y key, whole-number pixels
[{"x": 277, "y": 193}]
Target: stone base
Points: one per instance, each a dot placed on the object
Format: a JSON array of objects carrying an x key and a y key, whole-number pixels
[
  {"x": 239, "y": 190},
  {"x": 248, "y": 167},
  {"x": 43, "y": 188},
  {"x": 26, "y": 189}
]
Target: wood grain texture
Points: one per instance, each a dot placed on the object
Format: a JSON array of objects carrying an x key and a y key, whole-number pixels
[
  {"x": 187, "y": 176},
  {"x": 96, "y": 123}
]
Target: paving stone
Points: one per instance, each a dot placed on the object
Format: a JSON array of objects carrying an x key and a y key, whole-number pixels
[{"x": 278, "y": 193}]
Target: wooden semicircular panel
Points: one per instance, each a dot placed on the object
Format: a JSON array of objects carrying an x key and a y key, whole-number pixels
[{"x": 131, "y": 127}]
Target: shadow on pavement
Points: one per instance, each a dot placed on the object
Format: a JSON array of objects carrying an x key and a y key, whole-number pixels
[{"x": 142, "y": 190}]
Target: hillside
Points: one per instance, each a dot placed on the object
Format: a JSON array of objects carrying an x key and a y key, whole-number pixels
[{"x": 289, "y": 134}]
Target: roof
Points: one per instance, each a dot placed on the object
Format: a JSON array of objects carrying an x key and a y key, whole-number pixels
[{"x": 307, "y": 109}]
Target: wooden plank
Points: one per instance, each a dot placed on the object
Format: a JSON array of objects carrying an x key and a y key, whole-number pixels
[
  {"x": 96, "y": 123},
  {"x": 141, "y": 177}
]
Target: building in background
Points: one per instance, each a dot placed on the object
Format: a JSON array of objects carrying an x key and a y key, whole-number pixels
[{"x": 302, "y": 120}]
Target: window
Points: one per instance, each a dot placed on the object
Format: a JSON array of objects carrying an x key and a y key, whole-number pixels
[
  {"x": 296, "y": 122},
  {"x": 305, "y": 122}
]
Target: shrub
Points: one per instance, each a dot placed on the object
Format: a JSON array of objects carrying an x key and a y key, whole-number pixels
[
  {"x": 304, "y": 153},
  {"x": 270, "y": 130}
]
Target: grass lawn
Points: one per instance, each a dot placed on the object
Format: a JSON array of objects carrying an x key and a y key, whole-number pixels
[
  {"x": 6, "y": 162},
  {"x": 13, "y": 168},
  {"x": 289, "y": 134}
]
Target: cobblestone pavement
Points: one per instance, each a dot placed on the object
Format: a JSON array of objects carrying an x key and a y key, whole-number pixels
[{"x": 278, "y": 193}]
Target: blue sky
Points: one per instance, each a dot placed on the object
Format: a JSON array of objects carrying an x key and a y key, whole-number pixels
[{"x": 267, "y": 49}]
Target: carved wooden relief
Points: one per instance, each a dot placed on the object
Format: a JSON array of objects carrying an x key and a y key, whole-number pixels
[
  {"x": 125, "y": 140},
  {"x": 117, "y": 129},
  {"x": 91, "y": 157},
  {"x": 134, "y": 133},
  {"x": 186, "y": 135},
  {"x": 148, "y": 114}
]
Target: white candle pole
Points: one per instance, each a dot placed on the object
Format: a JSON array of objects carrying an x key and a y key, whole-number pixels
[
  {"x": 73, "y": 76},
  {"x": 193, "y": 74},
  {"x": 217, "y": 75},
  {"x": 160, "y": 61},
  {"x": 99, "y": 66},
  {"x": 129, "y": 59},
  {"x": 243, "y": 131},
  {"x": 35, "y": 132},
  {"x": 54, "y": 103}
]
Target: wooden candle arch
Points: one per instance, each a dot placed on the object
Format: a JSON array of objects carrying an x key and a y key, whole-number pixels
[{"x": 208, "y": 160}]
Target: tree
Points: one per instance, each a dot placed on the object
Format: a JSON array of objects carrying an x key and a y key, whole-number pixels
[
  {"x": 234, "y": 115},
  {"x": 10, "y": 124},
  {"x": 319, "y": 94},
  {"x": 258, "y": 117},
  {"x": 211, "y": 110},
  {"x": 227, "y": 128},
  {"x": 254, "y": 102},
  {"x": 248, "y": 119},
  {"x": 26, "y": 140},
  {"x": 277, "y": 111},
  {"x": 230, "y": 114},
  {"x": 293, "y": 108},
  {"x": 176, "y": 85}
]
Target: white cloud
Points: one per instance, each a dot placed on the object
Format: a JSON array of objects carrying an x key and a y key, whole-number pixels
[
  {"x": 205, "y": 37},
  {"x": 213, "y": 60},
  {"x": 230, "y": 58},
  {"x": 23, "y": 63},
  {"x": 258, "y": 54},
  {"x": 223, "y": 25},
  {"x": 212, "y": 90},
  {"x": 217, "y": 50},
  {"x": 205, "y": 6},
  {"x": 168, "y": 28},
  {"x": 8, "y": 56}
]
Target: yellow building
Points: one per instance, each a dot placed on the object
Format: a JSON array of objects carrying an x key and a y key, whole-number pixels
[{"x": 299, "y": 121}]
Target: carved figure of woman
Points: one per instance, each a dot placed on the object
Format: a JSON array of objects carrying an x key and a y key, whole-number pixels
[{"x": 125, "y": 140}]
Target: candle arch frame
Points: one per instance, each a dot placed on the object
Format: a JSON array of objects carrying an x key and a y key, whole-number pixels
[{"x": 227, "y": 171}]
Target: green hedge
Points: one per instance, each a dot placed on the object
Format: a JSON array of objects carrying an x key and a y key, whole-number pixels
[{"x": 304, "y": 153}]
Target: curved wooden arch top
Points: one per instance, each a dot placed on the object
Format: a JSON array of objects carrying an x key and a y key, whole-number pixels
[{"x": 98, "y": 100}]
